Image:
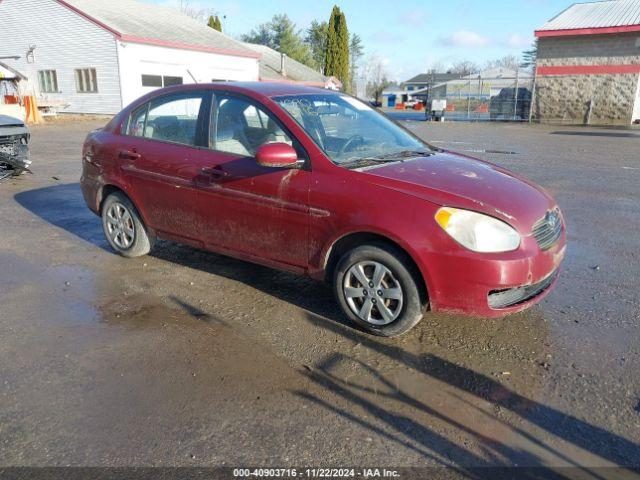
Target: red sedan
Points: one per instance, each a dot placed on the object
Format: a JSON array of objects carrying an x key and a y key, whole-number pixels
[{"x": 319, "y": 183}]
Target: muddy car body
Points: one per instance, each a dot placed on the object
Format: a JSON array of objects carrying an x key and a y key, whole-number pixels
[
  {"x": 319, "y": 183},
  {"x": 14, "y": 146}
]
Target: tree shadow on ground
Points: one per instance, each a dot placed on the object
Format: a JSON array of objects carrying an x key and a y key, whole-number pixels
[{"x": 579, "y": 433}]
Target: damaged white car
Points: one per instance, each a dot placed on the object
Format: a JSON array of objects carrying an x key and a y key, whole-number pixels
[{"x": 14, "y": 147}]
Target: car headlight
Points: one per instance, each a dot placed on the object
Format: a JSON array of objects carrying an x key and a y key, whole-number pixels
[{"x": 478, "y": 232}]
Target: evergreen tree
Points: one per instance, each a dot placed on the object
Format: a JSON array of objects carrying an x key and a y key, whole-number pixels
[
  {"x": 337, "y": 50},
  {"x": 355, "y": 54},
  {"x": 281, "y": 35},
  {"x": 529, "y": 57},
  {"x": 316, "y": 38},
  {"x": 214, "y": 22}
]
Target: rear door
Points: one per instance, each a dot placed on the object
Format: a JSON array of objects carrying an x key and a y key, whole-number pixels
[
  {"x": 161, "y": 156},
  {"x": 256, "y": 211}
]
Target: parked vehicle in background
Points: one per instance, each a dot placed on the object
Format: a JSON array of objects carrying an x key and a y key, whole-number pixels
[
  {"x": 503, "y": 105},
  {"x": 375, "y": 103},
  {"x": 321, "y": 184},
  {"x": 14, "y": 147}
]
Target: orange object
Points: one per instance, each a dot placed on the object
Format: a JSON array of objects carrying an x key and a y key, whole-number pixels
[
  {"x": 451, "y": 108},
  {"x": 399, "y": 106},
  {"x": 31, "y": 107},
  {"x": 483, "y": 108},
  {"x": 418, "y": 106},
  {"x": 11, "y": 99}
]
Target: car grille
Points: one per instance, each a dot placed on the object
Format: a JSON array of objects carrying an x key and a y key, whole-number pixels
[
  {"x": 547, "y": 230},
  {"x": 514, "y": 296}
]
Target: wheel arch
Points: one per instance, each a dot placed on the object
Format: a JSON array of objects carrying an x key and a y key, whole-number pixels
[
  {"x": 110, "y": 188},
  {"x": 354, "y": 239}
]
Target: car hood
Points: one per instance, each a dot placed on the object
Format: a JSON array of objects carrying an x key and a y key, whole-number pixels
[
  {"x": 455, "y": 180},
  {"x": 12, "y": 126}
]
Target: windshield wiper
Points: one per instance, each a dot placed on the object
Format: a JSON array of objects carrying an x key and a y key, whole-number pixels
[
  {"x": 407, "y": 154},
  {"x": 387, "y": 158},
  {"x": 365, "y": 161}
]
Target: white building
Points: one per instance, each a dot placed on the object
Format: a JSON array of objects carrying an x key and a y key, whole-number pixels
[{"x": 97, "y": 56}]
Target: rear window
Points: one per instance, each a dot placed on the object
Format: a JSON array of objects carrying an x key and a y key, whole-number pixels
[{"x": 172, "y": 118}]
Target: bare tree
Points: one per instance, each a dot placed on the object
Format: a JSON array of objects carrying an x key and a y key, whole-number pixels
[
  {"x": 199, "y": 13},
  {"x": 509, "y": 61},
  {"x": 375, "y": 75},
  {"x": 464, "y": 68}
]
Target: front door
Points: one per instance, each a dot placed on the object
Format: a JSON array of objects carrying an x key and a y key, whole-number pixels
[
  {"x": 257, "y": 211},
  {"x": 162, "y": 161}
]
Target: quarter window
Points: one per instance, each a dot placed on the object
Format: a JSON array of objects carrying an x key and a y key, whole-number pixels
[
  {"x": 241, "y": 127},
  {"x": 138, "y": 119},
  {"x": 171, "y": 118},
  {"x": 86, "y": 80},
  {"x": 48, "y": 81}
]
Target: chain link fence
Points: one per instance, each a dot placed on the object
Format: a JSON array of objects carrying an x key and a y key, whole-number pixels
[{"x": 500, "y": 94}]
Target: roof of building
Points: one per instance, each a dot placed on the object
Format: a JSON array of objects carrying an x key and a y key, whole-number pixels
[
  {"x": 431, "y": 78},
  {"x": 9, "y": 73},
  {"x": 609, "y": 16},
  {"x": 137, "y": 22},
  {"x": 270, "y": 67}
]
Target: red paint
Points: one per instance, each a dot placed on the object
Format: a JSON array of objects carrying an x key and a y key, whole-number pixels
[
  {"x": 276, "y": 155},
  {"x": 89, "y": 17},
  {"x": 290, "y": 218},
  {"x": 157, "y": 42},
  {"x": 587, "y": 31},
  {"x": 587, "y": 69}
]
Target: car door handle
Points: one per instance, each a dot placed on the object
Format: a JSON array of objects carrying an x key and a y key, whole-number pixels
[
  {"x": 129, "y": 155},
  {"x": 215, "y": 172}
]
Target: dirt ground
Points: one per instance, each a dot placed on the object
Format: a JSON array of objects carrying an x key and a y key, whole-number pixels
[{"x": 187, "y": 358}]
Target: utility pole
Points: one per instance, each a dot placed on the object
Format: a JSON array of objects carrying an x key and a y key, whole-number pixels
[{"x": 515, "y": 105}]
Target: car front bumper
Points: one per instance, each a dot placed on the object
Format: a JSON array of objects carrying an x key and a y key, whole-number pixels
[{"x": 492, "y": 285}]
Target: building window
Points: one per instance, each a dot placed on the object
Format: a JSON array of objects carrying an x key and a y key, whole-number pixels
[
  {"x": 48, "y": 80},
  {"x": 160, "y": 81},
  {"x": 151, "y": 81},
  {"x": 86, "y": 80},
  {"x": 168, "y": 81}
]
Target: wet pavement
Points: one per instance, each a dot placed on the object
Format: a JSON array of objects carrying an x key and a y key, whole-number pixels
[{"x": 190, "y": 358}]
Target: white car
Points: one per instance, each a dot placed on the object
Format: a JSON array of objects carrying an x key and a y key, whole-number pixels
[{"x": 14, "y": 147}]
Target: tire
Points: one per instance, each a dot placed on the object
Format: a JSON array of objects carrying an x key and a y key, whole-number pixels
[
  {"x": 398, "y": 315},
  {"x": 133, "y": 239}
]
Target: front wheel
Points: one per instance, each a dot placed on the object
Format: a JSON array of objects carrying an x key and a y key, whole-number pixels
[{"x": 377, "y": 289}]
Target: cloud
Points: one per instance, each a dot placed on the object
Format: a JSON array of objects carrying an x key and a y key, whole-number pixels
[
  {"x": 515, "y": 40},
  {"x": 463, "y": 38},
  {"x": 413, "y": 18}
]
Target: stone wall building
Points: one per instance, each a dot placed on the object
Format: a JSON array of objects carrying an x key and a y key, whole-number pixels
[{"x": 588, "y": 66}]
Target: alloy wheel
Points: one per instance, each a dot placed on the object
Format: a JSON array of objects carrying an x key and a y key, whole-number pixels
[{"x": 373, "y": 293}]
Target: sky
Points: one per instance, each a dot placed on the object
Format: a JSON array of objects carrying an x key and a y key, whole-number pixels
[{"x": 411, "y": 35}]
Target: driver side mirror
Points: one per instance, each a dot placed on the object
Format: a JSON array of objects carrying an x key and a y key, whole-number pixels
[{"x": 277, "y": 155}]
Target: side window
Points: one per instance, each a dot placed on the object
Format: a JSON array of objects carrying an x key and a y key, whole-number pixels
[
  {"x": 136, "y": 124},
  {"x": 240, "y": 127},
  {"x": 174, "y": 118}
]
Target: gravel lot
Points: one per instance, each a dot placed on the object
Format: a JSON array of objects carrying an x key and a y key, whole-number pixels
[{"x": 190, "y": 358}]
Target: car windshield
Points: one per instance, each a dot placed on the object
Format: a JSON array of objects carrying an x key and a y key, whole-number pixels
[{"x": 349, "y": 131}]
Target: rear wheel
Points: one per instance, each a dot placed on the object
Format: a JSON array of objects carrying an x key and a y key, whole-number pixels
[
  {"x": 123, "y": 227},
  {"x": 377, "y": 289}
]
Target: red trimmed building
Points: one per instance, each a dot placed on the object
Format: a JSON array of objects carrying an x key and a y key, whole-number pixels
[
  {"x": 588, "y": 67},
  {"x": 96, "y": 56}
]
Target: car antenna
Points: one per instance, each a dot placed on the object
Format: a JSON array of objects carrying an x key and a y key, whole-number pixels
[{"x": 191, "y": 75}]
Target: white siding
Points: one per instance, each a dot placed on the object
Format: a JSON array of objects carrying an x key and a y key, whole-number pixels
[
  {"x": 64, "y": 42},
  {"x": 636, "y": 108},
  {"x": 138, "y": 59}
]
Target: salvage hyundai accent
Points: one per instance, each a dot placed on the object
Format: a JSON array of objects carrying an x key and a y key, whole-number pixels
[{"x": 318, "y": 183}]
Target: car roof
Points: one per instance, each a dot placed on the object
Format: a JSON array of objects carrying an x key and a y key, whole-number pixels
[{"x": 266, "y": 89}]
